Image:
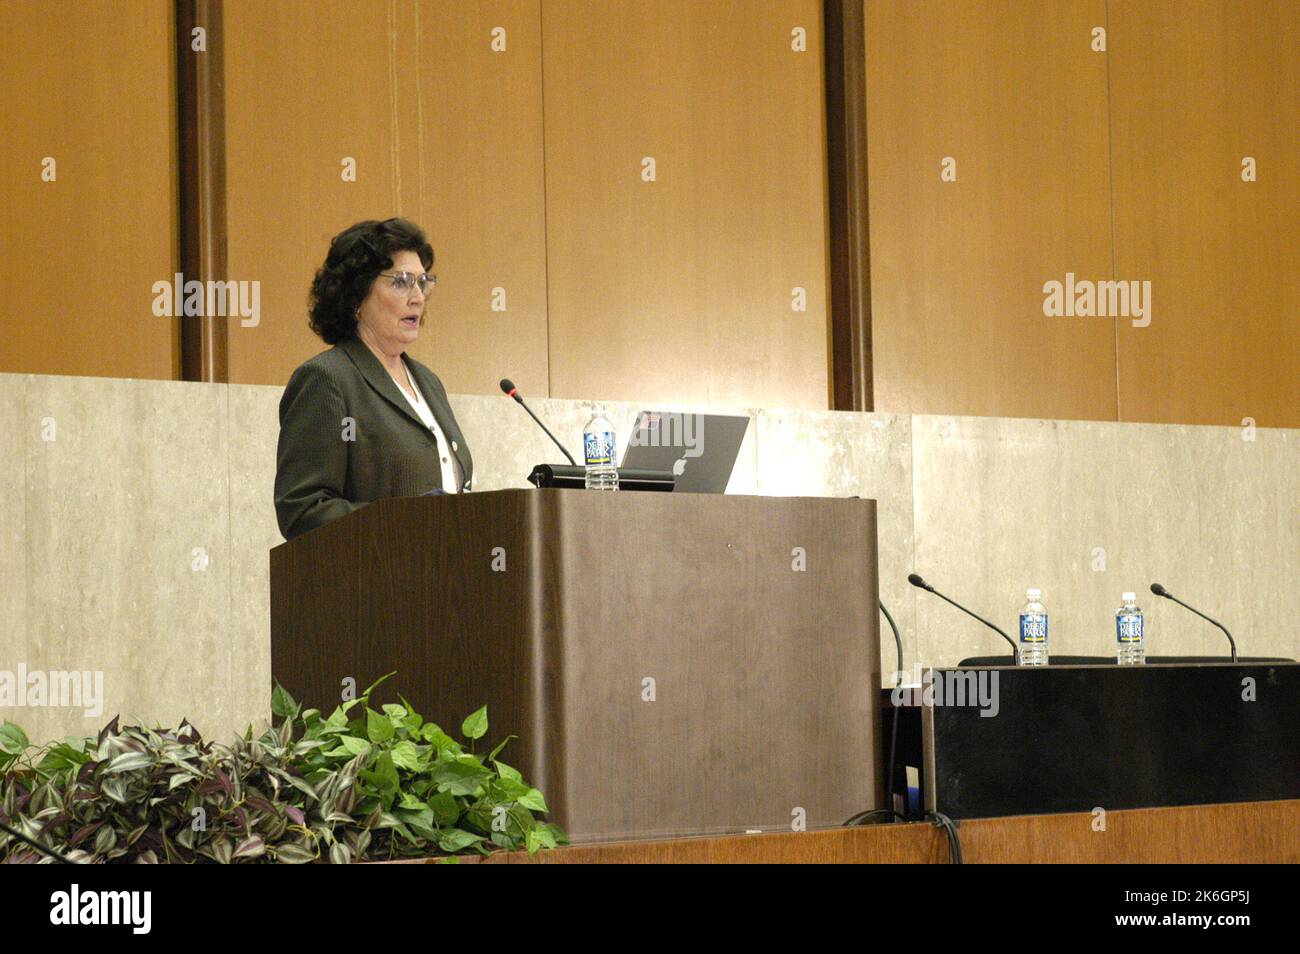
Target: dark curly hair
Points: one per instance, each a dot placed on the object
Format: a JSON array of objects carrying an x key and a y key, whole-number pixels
[{"x": 356, "y": 256}]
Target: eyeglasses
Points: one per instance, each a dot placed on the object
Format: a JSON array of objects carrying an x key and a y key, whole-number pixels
[{"x": 402, "y": 282}]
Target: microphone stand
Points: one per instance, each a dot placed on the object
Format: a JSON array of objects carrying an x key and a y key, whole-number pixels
[
  {"x": 1015, "y": 650},
  {"x": 1169, "y": 596}
]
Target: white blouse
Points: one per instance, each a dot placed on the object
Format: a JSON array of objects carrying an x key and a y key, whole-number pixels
[{"x": 450, "y": 466}]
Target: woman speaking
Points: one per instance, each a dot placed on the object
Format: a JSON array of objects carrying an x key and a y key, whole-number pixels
[{"x": 363, "y": 420}]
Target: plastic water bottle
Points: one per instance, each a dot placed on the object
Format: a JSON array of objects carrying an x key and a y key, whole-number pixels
[
  {"x": 1033, "y": 630},
  {"x": 598, "y": 448},
  {"x": 1128, "y": 633}
]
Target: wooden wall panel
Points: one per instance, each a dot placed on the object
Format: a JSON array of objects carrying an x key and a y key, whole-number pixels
[
  {"x": 1012, "y": 92},
  {"x": 307, "y": 84},
  {"x": 480, "y": 191},
  {"x": 444, "y": 132},
  {"x": 91, "y": 86},
  {"x": 1197, "y": 86},
  {"x": 681, "y": 289}
]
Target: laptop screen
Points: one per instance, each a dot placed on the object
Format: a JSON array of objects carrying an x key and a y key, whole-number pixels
[{"x": 699, "y": 449}]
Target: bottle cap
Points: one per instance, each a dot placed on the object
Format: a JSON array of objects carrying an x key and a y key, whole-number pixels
[
  {"x": 1128, "y": 597},
  {"x": 1033, "y": 593}
]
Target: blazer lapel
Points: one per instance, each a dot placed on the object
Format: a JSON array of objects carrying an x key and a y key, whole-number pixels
[
  {"x": 377, "y": 377},
  {"x": 442, "y": 414}
]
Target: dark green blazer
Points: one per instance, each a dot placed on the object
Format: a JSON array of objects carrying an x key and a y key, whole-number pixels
[{"x": 348, "y": 437}]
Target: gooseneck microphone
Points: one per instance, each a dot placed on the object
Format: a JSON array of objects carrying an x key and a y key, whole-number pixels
[
  {"x": 509, "y": 388},
  {"x": 915, "y": 580},
  {"x": 1159, "y": 590}
]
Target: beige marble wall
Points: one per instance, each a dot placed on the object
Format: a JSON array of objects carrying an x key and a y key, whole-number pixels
[
  {"x": 110, "y": 486},
  {"x": 1087, "y": 510},
  {"x": 124, "y": 546},
  {"x": 819, "y": 454}
]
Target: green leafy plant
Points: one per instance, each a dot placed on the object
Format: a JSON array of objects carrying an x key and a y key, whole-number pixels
[{"x": 358, "y": 784}]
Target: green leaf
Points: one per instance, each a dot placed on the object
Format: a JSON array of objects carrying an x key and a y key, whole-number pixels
[
  {"x": 303, "y": 786},
  {"x": 534, "y": 800},
  {"x": 500, "y": 745},
  {"x": 340, "y": 854},
  {"x": 510, "y": 789},
  {"x": 421, "y": 822},
  {"x": 353, "y": 745},
  {"x": 463, "y": 776},
  {"x": 282, "y": 705},
  {"x": 394, "y": 712},
  {"x": 129, "y": 762},
  {"x": 383, "y": 777},
  {"x": 13, "y": 740},
  {"x": 413, "y": 719},
  {"x": 294, "y": 854},
  {"x": 379, "y": 728},
  {"x": 441, "y": 740},
  {"x": 533, "y": 840},
  {"x": 251, "y": 847},
  {"x": 506, "y": 771},
  {"x": 446, "y": 810},
  {"x": 406, "y": 756},
  {"x": 475, "y": 726},
  {"x": 179, "y": 779},
  {"x": 557, "y": 833},
  {"x": 453, "y": 840}
]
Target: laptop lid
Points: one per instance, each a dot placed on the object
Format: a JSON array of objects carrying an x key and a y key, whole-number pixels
[{"x": 699, "y": 449}]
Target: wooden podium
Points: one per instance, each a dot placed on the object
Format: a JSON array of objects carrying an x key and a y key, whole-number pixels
[{"x": 673, "y": 664}]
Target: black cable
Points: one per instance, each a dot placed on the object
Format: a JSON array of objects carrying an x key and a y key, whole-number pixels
[
  {"x": 949, "y": 826},
  {"x": 862, "y": 818},
  {"x": 898, "y": 678},
  {"x": 37, "y": 845}
]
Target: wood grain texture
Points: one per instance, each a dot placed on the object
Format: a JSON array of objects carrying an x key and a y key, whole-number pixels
[
  {"x": 92, "y": 88},
  {"x": 471, "y": 162},
  {"x": 1012, "y": 92},
  {"x": 1253, "y": 833},
  {"x": 1197, "y": 86},
  {"x": 444, "y": 131},
  {"x": 201, "y": 164},
  {"x": 292, "y": 116},
  {"x": 849, "y": 246},
  {"x": 660, "y": 644},
  {"x": 680, "y": 289}
]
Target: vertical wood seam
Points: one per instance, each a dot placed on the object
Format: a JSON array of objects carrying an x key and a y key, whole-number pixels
[{"x": 201, "y": 182}]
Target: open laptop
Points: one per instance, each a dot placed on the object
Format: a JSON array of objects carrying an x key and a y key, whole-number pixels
[{"x": 699, "y": 449}]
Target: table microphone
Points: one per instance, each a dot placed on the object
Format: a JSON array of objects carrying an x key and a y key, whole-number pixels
[
  {"x": 916, "y": 581},
  {"x": 1159, "y": 590},
  {"x": 508, "y": 386}
]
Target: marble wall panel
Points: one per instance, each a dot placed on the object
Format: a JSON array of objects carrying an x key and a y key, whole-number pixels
[
  {"x": 819, "y": 454},
  {"x": 1087, "y": 510},
  {"x": 127, "y": 548}
]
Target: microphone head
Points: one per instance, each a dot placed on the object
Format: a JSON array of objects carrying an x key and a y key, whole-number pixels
[
  {"x": 508, "y": 387},
  {"x": 915, "y": 580},
  {"x": 1159, "y": 590}
]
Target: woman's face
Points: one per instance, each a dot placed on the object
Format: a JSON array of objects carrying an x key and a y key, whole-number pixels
[{"x": 390, "y": 318}]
